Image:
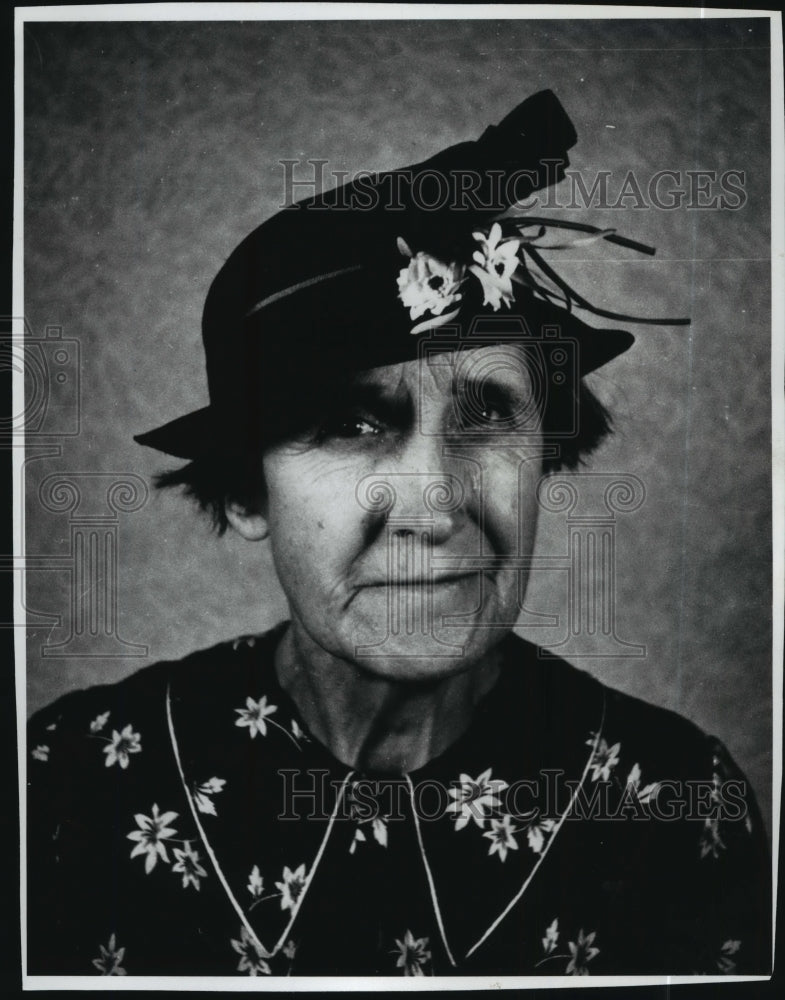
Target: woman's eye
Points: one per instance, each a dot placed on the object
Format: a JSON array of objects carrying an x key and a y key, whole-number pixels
[
  {"x": 357, "y": 428},
  {"x": 354, "y": 426},
  {"x": 493, "y": 412}
]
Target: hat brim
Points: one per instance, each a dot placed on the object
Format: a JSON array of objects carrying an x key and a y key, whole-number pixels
[
  {"x": 190, "y": 436},
  {"x": 205, "y": 432}
]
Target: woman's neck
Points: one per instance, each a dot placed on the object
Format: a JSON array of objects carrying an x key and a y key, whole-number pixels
[{"x": 372, "y": 723}]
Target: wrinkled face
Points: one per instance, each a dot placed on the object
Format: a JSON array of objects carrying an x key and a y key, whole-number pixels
[{"x": 394, "y": 524}]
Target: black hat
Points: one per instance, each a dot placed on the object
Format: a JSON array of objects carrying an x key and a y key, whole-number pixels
[{"x": 359, "y": 276}]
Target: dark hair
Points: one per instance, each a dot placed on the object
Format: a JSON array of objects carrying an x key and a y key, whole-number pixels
[{"x": 236, "y": 475}]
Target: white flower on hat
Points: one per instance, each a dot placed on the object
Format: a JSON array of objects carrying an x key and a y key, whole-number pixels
[
  {"x": 494, "y": 265},
  {"x": 429, "y": 285}
]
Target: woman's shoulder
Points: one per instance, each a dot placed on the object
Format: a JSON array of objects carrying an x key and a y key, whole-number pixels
[
  {"x": 626, "y": 726},
  {"x": 140, "y": 695},
  {"x": 652, "y": 763}
]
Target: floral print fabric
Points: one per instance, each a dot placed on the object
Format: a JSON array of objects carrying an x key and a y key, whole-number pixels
[{"x": 184, "y": 822}]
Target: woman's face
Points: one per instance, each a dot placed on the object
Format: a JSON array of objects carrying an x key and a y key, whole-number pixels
[{"x": 396, "y": 524}]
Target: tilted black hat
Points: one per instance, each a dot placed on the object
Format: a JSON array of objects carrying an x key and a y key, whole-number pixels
[{"x": 355, "y": 277}]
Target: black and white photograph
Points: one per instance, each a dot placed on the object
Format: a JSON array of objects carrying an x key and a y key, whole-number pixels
[{"x": 397, "y": 499}]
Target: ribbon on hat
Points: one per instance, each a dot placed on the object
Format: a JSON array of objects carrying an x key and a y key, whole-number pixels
[
  {"x": 337, "y": 232},
  {"x": 432, "y": 285}
]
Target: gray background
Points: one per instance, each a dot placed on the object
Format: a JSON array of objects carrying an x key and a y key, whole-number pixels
[{"x": 152, "y": 149}]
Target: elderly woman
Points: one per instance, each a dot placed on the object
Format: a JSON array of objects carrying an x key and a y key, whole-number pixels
[{"x": 391, "y": 782}]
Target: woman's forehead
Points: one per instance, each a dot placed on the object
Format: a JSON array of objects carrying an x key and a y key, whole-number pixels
[{"x": 449, "y": 371}]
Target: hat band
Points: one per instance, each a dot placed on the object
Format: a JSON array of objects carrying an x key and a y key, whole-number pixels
[{"x": 276, "y": 296}]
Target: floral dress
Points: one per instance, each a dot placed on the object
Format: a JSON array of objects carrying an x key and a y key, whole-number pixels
[{"x": 185, "y": 822}]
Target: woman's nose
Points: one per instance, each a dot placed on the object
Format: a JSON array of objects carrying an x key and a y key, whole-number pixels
[{"x": 425, "y": 490}]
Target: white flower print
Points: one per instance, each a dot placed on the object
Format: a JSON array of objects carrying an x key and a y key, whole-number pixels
[
  {"x": 551, "y": 938},
  {"x": 725, "y": 963},
  {"x": 494, "y": 265},
  {"x": 289, "y": 950},
  {"x": 475, "y": 798},
  {"x": 153, "y": 831},
  {"x": 298, "y": 733},
  {"x": 204, "y": 804},
  {"x": 203, "y": 793},
  {"x": 536, "y": 833},
  {"x": 379, "y": 828},
  {"x": 123, "y": 743},
  {"x": 501, "y": 837},
  {"x": 255, "y": 883},
  {"x": 604, "y": 759},
  {"x": 41, "y": 752},
  {"x": 413, "y": 954},
  {"x": 711, "y": 843},
  {"x": 634, "y": 781},
  {"x": 108, "y": 962},
  {"x": 99, "y": 722},
  {"x": 429, "y": 285},
  {"x": 716, "y": 787},
  {"x": 254, "y": 714},
  {"x": 358, "y": 838},
  {"x": 244, "y": 640},
  {"x": 291, "y": 888},
  {"x": 582, "y": 952},
  {"x": 252, "y": 955},
  {"x": 363, "y": 811},
  {"x": 188, "y": 866},
  {"x": 379, "y": 831}
]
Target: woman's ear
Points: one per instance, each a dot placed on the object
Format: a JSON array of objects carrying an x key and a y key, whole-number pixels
[{"x": 250, "y": 524}]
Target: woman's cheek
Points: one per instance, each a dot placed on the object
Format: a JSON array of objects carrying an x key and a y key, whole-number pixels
[{"x": 510, "y": 501}]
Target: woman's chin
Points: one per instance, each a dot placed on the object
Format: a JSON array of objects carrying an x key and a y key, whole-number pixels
[{"x": 418, "y": 658}]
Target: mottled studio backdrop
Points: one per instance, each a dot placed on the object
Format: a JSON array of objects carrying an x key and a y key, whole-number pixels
[{"x": 152, "y": 149}]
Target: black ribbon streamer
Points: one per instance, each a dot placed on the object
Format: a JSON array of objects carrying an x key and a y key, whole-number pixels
[{"x": 570, "y": 294}]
